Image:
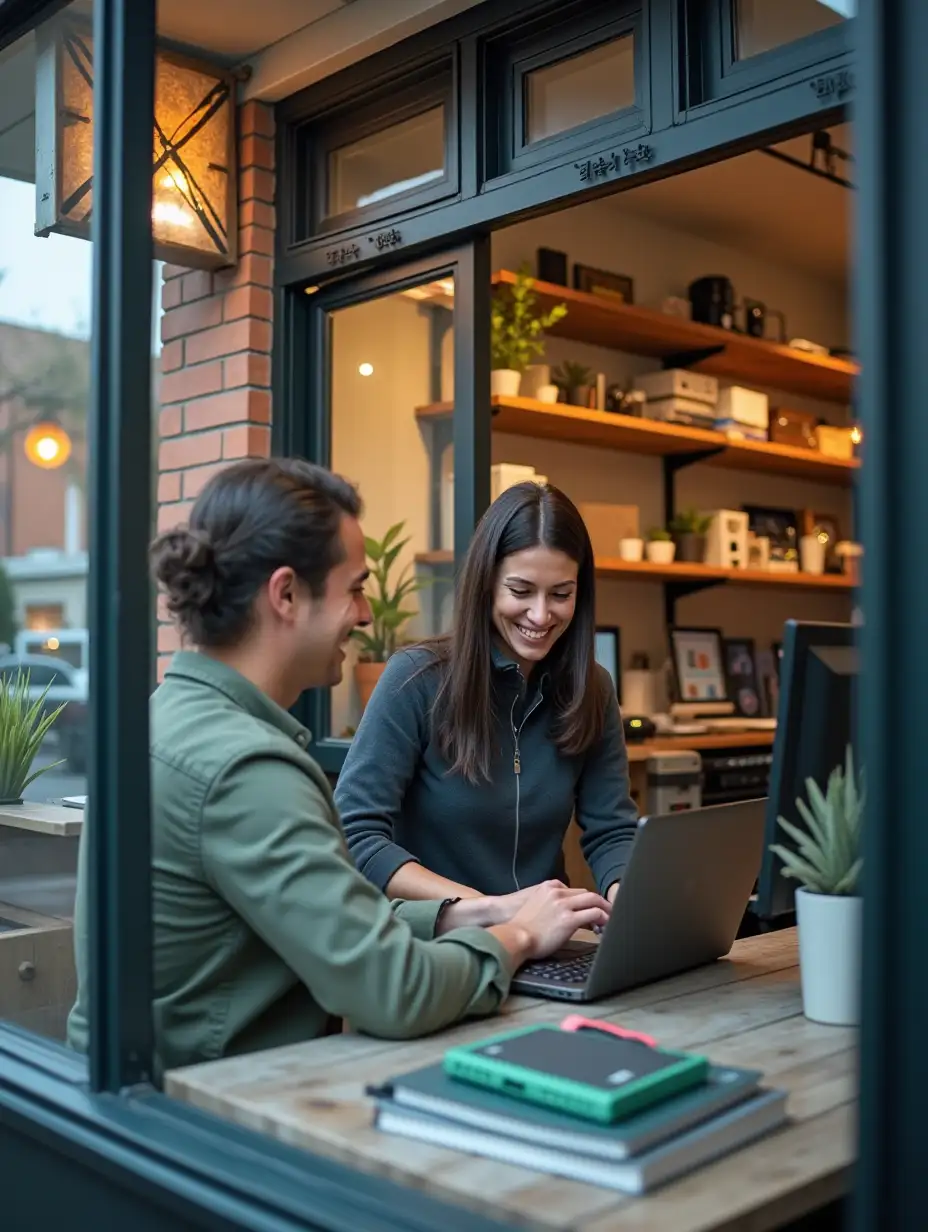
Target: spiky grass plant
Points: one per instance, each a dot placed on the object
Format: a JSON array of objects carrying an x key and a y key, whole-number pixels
[
  {"x": 827, "y": 858},
  {"x": 23, "y": 726}
]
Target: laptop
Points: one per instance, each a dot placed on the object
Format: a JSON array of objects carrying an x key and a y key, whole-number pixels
[{"x": 679, "y": 905}]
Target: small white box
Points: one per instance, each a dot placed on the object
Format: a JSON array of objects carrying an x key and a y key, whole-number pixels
[
  {"x": 679, "y": 383},
  {"x": 744, "y": 406},
  {"x": 727, "y": 539}
]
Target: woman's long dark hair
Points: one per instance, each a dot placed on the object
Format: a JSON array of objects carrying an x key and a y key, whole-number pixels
[{"x": 527, "y": 515}]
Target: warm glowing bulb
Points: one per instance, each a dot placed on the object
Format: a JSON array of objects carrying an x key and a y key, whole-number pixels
[
  {"x": 52, "y": 644},
  {"x": 168, "y": 212},
  {"x": 47, "y": 445},
  {"x": 174, "y": 179},
  {"x": 366, "y": 369},
  {"x": 856, "y": 435}
]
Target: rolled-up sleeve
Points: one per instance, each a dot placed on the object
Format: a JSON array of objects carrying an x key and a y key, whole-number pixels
[
  {"x": 605, "y": 811},
  {"x": 273, "y": 849},
  {"x": 381, "y": 763}
]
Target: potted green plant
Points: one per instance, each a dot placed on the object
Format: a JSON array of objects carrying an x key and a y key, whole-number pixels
[
  {"x": 380, "y": 639},
  {"x": 827, "y": 862},
  {"x": 24, "y": 723},
  {"x": 689, "y": 530},
  {"x": 517, "y": 333},
  {"x": 576, "y": 381},
  {"x": 661, "y": 548}
]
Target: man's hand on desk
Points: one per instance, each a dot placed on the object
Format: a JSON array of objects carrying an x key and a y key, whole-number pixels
[{"x": 495, "y": 909}]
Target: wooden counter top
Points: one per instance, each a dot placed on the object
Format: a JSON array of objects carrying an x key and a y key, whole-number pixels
[
  {"x": 642, "y": 750},
  {"x": 745, "y": 1010},
  {"x": 52, "y": 819}
]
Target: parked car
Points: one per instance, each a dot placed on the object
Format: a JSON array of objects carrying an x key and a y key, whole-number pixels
[{"x": 65, "y": 684}]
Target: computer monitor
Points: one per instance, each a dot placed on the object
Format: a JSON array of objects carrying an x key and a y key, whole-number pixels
[{"x": 814, "y": 726}]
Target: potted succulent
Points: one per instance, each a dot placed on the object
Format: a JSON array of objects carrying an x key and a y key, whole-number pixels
[
  {"x": 661, "y": 548},
  {"x": 24, "y": 723},
  {"x": 380, "y": 639},
  {"x": 575, "y": 380},
  {"x": 827, "y": 863},
  {"x": 689, "y": 530},
  {"x": 517, "y": 333}
]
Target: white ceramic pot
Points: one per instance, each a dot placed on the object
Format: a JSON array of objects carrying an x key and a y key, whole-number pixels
[
  {"x": 505, "y": 382},
  {"x": 829, "y": 956},
  {"x": 631, "y": 549},
  {"x": 533, "y": 378},
  {"x": 547, "y": 393},
  {"x": 812, "y": 554},
  {"x": 661, "y": 551}
]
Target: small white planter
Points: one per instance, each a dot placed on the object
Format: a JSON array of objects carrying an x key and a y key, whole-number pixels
[
  {"x": 661, "y": 551},
  {"x": 547, "y": 393},
  {"x": 631, "y": 549},
  {"x": 505, "y": 382},
  {"x": 829, "y": 956}
]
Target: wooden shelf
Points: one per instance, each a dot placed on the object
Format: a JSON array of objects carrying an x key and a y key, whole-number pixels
[
  {"x": 559, "y": 422},
  {"x": 644, "y": 571},
  {"x": 600, "y": 321}
]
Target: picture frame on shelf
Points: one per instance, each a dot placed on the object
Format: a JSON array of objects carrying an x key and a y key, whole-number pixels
[
  {"x": 602, "y": 282},
  {"x": 607, "y": 650},
  {"x": 768, "y": 677},
  {"x": 698, "y": 662},
  {"x": 781, "y": 527},
  {"x": 742, "y": 676}
]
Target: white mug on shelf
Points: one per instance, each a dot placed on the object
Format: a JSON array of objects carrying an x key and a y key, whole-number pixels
[
  {"x": 631, "y": 549},
  {"x": 812, "y": 554}
]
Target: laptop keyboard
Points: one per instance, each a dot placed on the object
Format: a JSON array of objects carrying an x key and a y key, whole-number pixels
[{"x": 572, "y": 970}]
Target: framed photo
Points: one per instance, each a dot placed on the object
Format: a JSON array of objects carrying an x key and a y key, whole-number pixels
[
  {"x": 768, "y": 677},
  {"x": 780, "y": 526},
  {"x": 601, "y": 282},
  {"x": 607, "y": 649},
  {"x": 741, "y": 673},
  {"x": 699, "y": 665}
]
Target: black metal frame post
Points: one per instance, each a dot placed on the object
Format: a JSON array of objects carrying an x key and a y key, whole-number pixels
[
  {"x": 891, "y": 318},
  {"x": 471, "y": 429},
  {"x": 118, "y": 816}
]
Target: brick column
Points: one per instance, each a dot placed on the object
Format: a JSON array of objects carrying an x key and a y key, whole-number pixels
[{"x": 215, "y": 389}]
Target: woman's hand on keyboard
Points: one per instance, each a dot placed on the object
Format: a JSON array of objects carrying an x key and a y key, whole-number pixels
[{"x": 549, "y": 916}]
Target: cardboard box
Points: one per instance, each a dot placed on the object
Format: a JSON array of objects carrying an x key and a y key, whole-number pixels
[{"x": 608, "y": 524}]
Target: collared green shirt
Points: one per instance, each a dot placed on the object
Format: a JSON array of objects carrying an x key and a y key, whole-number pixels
[{"x": 263, "y": 926}]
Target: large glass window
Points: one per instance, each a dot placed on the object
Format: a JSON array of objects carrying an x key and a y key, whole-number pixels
[
  {"x": 763, "y": 25},
  {"x": 45, "y": 294},
  {"x": 391, "y": 422},
  {"x": 399, "y": 159},
  {"x": 585, "y": 87}
]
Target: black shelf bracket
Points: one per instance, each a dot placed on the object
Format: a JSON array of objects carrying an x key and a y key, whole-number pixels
[
  {"x": 679, "y": 590},
  {"x": 687, "y": 359},
  {"x": 677, "y": 462},
  {"x": 441, "y": 319}
]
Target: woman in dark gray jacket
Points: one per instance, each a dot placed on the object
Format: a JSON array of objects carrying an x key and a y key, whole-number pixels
[{"x": 477, "y": 748}]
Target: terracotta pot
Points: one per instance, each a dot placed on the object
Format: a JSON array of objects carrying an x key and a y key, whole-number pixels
[{"x": 366, "y": 676}]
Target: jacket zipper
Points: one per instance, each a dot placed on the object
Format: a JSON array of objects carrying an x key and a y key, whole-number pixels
[{"x": 517, "y": 770}]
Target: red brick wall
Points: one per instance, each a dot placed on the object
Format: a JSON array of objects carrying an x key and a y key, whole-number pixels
[{"x": 216, "y": 333}]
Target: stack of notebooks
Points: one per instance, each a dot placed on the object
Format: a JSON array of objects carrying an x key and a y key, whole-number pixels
[{"x": 646, "y": 1148}]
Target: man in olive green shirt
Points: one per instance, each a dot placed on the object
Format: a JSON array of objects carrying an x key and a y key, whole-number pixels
[{"x": 265, "y": 932}]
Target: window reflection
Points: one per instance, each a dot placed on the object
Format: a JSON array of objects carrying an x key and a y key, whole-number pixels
[
  {"x": 395, "y": 160},
  {"x": 762, "y": 25},
  {"x": 583, "y": 88}
]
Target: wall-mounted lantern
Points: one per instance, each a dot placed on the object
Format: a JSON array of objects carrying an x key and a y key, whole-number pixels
[{"x": 194, "y": 181}]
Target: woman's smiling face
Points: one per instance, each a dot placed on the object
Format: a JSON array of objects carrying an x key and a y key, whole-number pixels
[{"x": 533, "y": 602}]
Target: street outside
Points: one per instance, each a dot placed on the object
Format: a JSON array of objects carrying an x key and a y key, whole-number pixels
[{"x": 50, "y": 787}]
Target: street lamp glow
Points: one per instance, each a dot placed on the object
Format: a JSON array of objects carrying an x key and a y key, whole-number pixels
[{"x": 47, "y": 445}]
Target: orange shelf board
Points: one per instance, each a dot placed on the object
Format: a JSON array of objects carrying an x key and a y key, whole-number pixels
[
  {"x": 632, "y": 434},
  {"x": 609, "y": 567},
  {"x": 644, "y": 571},
  {"x": 600, "y": 321}
]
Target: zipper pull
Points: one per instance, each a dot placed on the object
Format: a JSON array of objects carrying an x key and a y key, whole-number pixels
[{"x": 517, "y": 762}]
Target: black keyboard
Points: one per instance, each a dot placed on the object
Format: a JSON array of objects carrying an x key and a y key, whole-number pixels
[{"x": 573, "y": 970}]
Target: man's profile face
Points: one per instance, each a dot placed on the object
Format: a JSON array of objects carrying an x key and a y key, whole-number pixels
[{"x": 329, "y": 621}]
